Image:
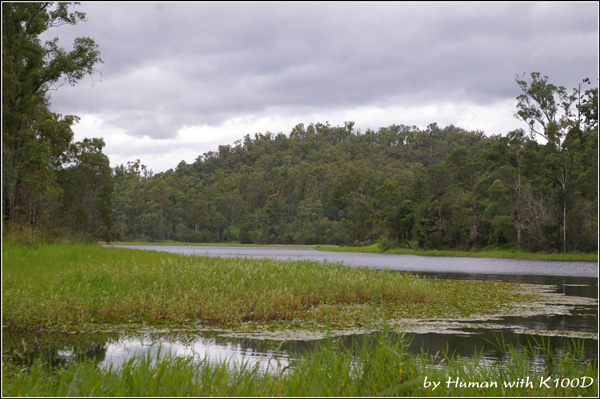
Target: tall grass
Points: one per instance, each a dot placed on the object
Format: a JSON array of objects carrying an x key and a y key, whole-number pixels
[
  {"x": 50, "y": 285},
  {"x": 380, "y": 368}
]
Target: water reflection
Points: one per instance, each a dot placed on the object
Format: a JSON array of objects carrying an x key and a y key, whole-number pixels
[
  {"x": 57, "y": 349},
  {"x": 198, "y": 347},
  {"x": 112, "y": 351},
  {"x": 573, "y": 286}
]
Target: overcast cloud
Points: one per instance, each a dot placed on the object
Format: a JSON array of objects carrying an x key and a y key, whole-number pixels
[{"x": 179, "y": 79}]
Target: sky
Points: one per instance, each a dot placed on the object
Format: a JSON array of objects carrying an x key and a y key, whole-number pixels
[{"x": 178, "y": 79}]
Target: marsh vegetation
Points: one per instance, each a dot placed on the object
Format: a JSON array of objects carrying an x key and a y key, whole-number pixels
[
  {"x": 80, "y": 289},
  {"x": 54, "y": 286}
]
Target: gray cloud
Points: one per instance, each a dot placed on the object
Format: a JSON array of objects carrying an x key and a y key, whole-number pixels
[{"x": 169, "y": 65}]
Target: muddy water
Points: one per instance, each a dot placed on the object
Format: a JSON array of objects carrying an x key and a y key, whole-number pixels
[{"x": 575, "y": 280}]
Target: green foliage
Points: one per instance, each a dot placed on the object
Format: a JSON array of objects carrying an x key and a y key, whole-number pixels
[
  {"x": 548, "y": 110},
  {"x": 38, "y": 188},
  {"x": 443, "y": 188}
]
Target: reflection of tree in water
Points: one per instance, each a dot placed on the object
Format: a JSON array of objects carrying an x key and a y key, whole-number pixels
[{"x": 57, "y": 349}]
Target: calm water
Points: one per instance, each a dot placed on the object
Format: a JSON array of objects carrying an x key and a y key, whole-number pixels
[
  {"x": 569, "y": 278},
  {"x": 411, "y": 263}
]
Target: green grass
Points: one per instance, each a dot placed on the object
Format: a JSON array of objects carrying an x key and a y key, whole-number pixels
[
  {"x": 222, "y": 244},
  {"x": 382, "y": 367},
  {"x": 68, "y": 286}
]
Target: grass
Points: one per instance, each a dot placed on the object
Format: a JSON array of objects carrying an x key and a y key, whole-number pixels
[
  {"x": 60, "y": 286},
  {"x": 382, "y": 367},
  {"x": 222, "y": 244}
]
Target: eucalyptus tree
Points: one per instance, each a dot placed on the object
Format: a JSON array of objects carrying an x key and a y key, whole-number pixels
[
  {"x": 33, "y": 137},
  {"x": 548, "y": 111},
  {"x": 516, "y": 142}
]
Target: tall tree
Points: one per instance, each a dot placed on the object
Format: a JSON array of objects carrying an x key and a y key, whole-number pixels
[
  {"x": 539, "y": 106},
  {"x": 33, "y": 137},
  {"x": 515, "y": 145},
  {"x": 547, "y": 109}
]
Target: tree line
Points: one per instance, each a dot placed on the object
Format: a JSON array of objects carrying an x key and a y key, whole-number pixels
[
  {"x": 438, "y": 187},
  {"x": 399, "y": 186},
  {"x": 49, "y": 182}
]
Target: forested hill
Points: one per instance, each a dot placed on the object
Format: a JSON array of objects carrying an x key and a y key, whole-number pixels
[{"x": 399, "y": 185}]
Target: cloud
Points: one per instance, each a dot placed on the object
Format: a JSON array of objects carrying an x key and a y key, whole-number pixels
[
  {"x": 192, "y": 141},
  {"x": 213, "y": 67}
]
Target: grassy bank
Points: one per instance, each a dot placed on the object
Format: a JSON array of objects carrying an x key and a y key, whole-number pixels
[
  {"x": 219, "y": 244},
  {"x": 484, "y": 253},
  {"x": 376, "y": 248},
  {"x": 59, "y": 286},
  {"x": 382, "y": 368}
]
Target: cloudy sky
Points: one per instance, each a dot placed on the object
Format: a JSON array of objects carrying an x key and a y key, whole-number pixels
[{"x": 180, "y": 79}]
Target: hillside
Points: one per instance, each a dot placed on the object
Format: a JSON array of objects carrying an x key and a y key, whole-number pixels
[{"x": 399, "y": 185}]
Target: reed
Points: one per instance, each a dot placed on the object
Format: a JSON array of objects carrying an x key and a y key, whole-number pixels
[{"x": 67, "y": 286}]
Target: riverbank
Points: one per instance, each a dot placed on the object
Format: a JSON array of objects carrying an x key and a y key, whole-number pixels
[
  {"x": 376, "y": 248},
  {"x": 484, "y": 253}
]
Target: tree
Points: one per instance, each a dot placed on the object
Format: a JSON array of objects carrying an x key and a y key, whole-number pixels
[
  {"x": 540, "y": 106},
  {"x": 33, "y": 137},
  {"x": 87, "y": 183},
  {"x": 516, "y": 139}
]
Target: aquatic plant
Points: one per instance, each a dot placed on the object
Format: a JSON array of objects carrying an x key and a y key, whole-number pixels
[{"x": 66, "y": 287}]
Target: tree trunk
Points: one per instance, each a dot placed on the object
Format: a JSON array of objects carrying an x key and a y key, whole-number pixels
[
  {"x": 563, "y": 183},
  {"x": 518, "y": 201},
  {"x": 565, "y": 223}
]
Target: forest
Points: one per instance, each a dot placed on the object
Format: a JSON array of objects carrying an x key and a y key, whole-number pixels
[
  {"x": 399, "y": 186},
  {"x": 534, "y": 188}
]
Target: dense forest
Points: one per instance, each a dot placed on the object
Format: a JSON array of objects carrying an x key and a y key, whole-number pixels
[
  {"x": 434, "y": 188},
  {"x": 440, "y": 187}
]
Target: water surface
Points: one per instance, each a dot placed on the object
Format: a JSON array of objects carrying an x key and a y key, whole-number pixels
[{"x": 411, "y": 263}]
